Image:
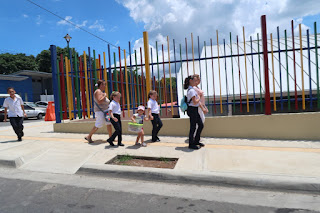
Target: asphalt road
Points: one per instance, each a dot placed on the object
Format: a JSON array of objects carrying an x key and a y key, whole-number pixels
[{"x": 28, "y": 196}]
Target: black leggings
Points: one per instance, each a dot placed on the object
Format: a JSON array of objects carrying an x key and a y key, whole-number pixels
[
  {"x": 118, "y": 127},
  {"x": 17, "y": 125},
  {"x": 156, "y": 126},
  {"x": 194, "y": 120}
]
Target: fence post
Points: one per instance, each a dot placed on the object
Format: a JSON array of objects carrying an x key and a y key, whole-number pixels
[
  {"x": 146, "y": 61},
  {"x": 53, "y": 51},
  {"x": 266, "y": 69}
]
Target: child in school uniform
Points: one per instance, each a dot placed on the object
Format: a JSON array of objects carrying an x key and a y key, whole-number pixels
[
  {"x": 153, "y": 112},
  {"x": 193, "y": 112},
  {"x": 115, "y": 115},
  {"x": 139, "y": 118}
]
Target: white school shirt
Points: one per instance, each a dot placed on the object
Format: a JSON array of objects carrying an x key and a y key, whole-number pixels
[
  {"x": 14, "y": 106},
  {"x": 153, "y": 105},
  {"x": 115, "y": 107},
  {"x": 191, "y": 93}
]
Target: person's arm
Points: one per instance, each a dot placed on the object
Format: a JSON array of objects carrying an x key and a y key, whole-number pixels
[
  {"x": 5, "y": 114},
  {"x": 133, "y": 119},
  {"x": 146, "y": 118},
  {"x": 149, "y": 113},
  {"x": 195, "y": 100},
  {"x": 100, "y": 96},
  {"x": 24, "y": 113},
  {"x": 112, "y": 116}
]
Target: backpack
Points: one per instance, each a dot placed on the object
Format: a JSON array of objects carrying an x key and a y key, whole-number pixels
[{"x": 184, "y": 103}]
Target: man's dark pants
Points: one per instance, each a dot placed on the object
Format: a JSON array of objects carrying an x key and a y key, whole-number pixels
[{"x": 17, "y": 125}]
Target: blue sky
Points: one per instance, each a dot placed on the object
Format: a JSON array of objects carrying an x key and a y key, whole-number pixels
[{"x": 28, "y": 29}]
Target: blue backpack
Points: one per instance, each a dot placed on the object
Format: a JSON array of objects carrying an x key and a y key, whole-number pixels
[{"x": 184, "y": 103}]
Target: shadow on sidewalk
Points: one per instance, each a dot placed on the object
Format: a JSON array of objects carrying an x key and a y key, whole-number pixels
[
  {"x": 96, "y": 142},
  {"x": 184, "y": 149},
  {"x": 11, "y": 141},
  {"x": 133, "y": 147}
]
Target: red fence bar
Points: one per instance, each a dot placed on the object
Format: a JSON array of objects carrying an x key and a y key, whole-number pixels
[{"x": 265, "y": 61}]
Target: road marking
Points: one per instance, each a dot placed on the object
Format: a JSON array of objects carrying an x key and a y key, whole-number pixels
[{"x": 211, "y": 146}]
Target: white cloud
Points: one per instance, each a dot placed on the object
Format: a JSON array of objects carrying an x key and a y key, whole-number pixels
[
  {"x": 181, "y": 17},
  {"x": 97, "y": 25},
  {"x": 38, "y": 20},
  {"x": 25, "y": 16},
  {"x": 64, "y": 22},
  {"x": 113, "y": 29},
  {"x": 84, "y": 23}
]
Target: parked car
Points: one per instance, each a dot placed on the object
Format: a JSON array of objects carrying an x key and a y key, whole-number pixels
[
  {"x": 33, "y": 105},
  {"x": 42, "y": 103},
  {"x": 30, "y": 111}
]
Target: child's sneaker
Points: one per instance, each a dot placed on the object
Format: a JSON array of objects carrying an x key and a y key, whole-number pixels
[
  {"x": 144, "y": 144},
  {"x": 137, "y": 143}
]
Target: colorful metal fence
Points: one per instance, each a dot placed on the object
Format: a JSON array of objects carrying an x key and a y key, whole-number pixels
[{"x": 74, "y": 78}]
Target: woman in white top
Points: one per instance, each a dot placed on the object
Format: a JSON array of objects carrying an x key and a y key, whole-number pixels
[
  {"x": 115, "y": 115},
  {"x": 193, "y": 101},
  {"x": 101, "y": 105},
  {"x": 153, "y": 112}
]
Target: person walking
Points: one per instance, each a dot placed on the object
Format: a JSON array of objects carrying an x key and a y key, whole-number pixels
[
  {"x": 16, "y": 112},
  {"x": 153, "y": 112},
  {"x": 101, "y": 105},
  {"x": 115, "y": 115},
  {"x": 193, "y": 112}
]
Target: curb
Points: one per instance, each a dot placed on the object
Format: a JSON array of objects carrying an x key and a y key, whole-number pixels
[
  {"x": 272, "y": 182},
  {"x": 12, "y": 162}
]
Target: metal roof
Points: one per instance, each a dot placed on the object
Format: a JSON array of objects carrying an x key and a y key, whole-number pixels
[
  {"x": 33, "y": 73},
  {"x": 12, "y": 77}
]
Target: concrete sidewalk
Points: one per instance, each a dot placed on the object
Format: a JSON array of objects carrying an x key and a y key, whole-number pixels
[{"x": 281, "y": 165}]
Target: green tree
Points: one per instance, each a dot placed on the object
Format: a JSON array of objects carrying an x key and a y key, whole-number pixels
[
  {"x": 10, "y": 63},
  {"x": 43, "y": 60}
]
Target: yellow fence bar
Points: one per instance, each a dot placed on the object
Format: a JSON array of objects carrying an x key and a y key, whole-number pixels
[
  {"x": 245, "y": 64},
  {"x": 302, "y": 79},
  {"x": 146, "y": 57}
]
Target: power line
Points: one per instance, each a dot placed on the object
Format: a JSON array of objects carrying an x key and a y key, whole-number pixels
[{"x": 70, "y": 22}]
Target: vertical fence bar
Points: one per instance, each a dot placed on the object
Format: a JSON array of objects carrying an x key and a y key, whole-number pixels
[
  {"x": 105, "y": 73},
  {"x": 153, "y": 81},
  {"x": 279, "y": 55},
  {"x": 206, "y": 66},
  {"x": 175, "y": 71},
  {"x": 187, "y": 56},
  {"x": 109, "y": 70},
  {"x": 192, "y": 53},
  {"x": 225, "y": 70},
  {"x": 142, "y": 80},
  {"x": 261, "y": 103},
  {"x": 146, "y": 61},
  {"x": 159, "y": 82},
  {"x": 294, "y": 68},
  {"x": 254, "y": 91},
  {"x": 309, "y": 68},
  {"x": 76, "y": 71},
  {"x": 164, "y": 82},
  {"x": 302, "y": 79},
  {"x": 317, "y": 62},
  {"x": 115, "y": 73},
  {"x": 91, "y": 83},
  {"x": 127, "y": 82},
  {"x": 68, "y": 87},
  {"x": 181, "y": 64},
  {"x": 265, "y": 61},
  {"x": 121, "y": 80},
  {"x": 82, "y": 86},
  {"x": 137, "y": 78},
  {"x": 59, "y": 86},
  {"x": 53, "y": 51},
  {"x": 287, "y": 69},
  {"x": 221, "y": 109},
  {"x": 63, "y": 89},
  {"x": 273, "y": 79},
  {"x": 239, "y": 73},
  {"x": 214, "y": 94},
  {"x": 95, "y": 67},
  {"x": 86, "y": 82},
  {"x": 231, "y": 58},
  {"x": 72, "y": 86},
  {"x": 170, "y": 79},
  {"x": 132, "y": 81},
  {"x": 245, "y": 66},
  {"x": 199, "y": 61}
]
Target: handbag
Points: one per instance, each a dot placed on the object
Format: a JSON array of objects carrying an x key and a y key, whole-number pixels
[{"x": 106, "y": 113}]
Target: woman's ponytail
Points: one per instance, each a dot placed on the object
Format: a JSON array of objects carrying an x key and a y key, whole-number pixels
[{"x": 187, "y": 82}]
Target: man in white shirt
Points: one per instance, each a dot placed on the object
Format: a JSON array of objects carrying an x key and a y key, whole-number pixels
[{"x": 16, "y": 112}]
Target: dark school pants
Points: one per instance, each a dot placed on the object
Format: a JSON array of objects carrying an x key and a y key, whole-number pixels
[
  {"x": 156, "y": 126},
  {"x": 17, "y": 125},
  {"x": 118, "y": 127},
  {"x": 194, "y": 120}
]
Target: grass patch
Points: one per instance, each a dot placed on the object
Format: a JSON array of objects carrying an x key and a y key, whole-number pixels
[{"x": 124, "y": 158}]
